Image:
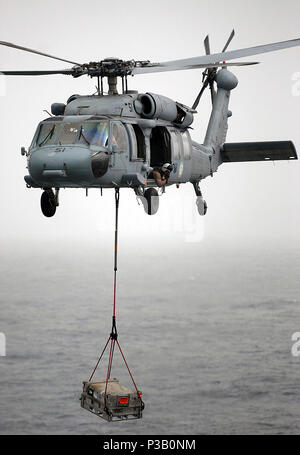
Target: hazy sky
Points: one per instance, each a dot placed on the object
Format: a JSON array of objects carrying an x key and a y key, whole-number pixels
[{"x": 245, "y": 201}]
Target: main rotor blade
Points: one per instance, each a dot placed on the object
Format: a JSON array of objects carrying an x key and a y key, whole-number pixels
[
  {"x": 15, "y": 46},
  {"x": 37, "y": 73},
  {"x": 204, "y": 61},
  {"x": 228, "y": 41},
  {"x": 156, "y": 68}
]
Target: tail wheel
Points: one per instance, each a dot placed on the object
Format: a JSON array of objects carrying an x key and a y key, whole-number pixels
[
  {"x": 152, "y": 199},
  {"x": 48, "y": 204},
  {"x": 201, "y": 205}
]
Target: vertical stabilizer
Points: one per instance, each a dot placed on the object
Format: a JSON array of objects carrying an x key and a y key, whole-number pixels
[{"x": 217, "y": 127}]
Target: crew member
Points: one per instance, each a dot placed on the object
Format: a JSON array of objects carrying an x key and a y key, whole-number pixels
[{"x": 161, "y": 175}]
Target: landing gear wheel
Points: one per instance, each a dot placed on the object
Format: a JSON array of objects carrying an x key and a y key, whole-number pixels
[
  {"x": 48, "y": 204},
  {"x": 201, "y": 205},
  {"x": 152, "y": 201}
]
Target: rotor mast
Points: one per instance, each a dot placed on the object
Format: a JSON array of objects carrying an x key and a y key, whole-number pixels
[{"x": 112, "y": 85}]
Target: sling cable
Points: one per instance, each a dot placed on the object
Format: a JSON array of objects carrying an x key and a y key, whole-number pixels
[{"x": 108, "y": 398}]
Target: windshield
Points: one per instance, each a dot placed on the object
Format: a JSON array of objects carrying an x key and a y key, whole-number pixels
[
  {"x": 90, "y": 133},
  {"x": 68, "y": 133},
  {"x": 94, "y": 134},
  {"x": 48, "y": 134}
]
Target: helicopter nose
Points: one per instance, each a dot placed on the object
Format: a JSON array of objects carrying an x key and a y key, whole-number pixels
[{"x": 50, "y": 166}]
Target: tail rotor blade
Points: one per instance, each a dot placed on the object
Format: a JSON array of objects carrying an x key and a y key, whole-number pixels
[
  {"x": 207, "y": 78},
  {"x": 205, "y": 74},
  {"x": 228, "y": 41},
  {"x": 210, "y": 73},
  {"x": 196, "y": 102},
  {"x": 206, "y": 45},
  {"x": 212, "y": 91}
]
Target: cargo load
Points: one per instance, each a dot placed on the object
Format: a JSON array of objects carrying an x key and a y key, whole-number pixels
[{"x": 111, "y": 400}]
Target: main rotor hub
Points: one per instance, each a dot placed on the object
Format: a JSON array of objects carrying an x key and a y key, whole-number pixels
[{"x": 108, "y": 67}]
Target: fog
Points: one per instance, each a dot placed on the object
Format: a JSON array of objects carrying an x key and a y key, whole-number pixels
[{"x": 208, "y": 305}]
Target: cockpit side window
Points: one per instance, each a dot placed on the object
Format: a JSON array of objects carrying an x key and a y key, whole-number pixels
[
  {"x": 140, "y": 142},
  {"x": 94, "y": 134},
  {"x": 119, "y": 137},
  {"x": 134, "y": 148}
]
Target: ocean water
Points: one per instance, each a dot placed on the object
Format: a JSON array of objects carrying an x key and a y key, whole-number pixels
[{"x": 206, "y": 332}]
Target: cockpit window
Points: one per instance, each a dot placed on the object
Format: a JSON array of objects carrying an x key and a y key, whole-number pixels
[
  {"x": 94, "y": 134},
  {"x": 68, "y": 133},
  {"x": 48, "y": 134},
  {"x": 88, "y": 133},
  {"x": 119, "y": 137}
]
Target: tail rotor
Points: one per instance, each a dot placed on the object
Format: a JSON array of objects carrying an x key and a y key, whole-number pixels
[{"x": 209, "y": 74}]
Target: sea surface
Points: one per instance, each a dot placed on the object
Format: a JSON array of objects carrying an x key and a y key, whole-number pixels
[{"x": 206, "y": 332}]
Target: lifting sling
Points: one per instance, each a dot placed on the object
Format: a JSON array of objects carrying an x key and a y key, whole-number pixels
[{"x": 113, "y": 337}]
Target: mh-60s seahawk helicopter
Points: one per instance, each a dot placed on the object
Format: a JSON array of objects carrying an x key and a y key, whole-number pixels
[{"x": 117, "y": 140}]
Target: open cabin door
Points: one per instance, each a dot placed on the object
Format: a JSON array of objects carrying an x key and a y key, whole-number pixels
[{"x": 160, "y": 146}]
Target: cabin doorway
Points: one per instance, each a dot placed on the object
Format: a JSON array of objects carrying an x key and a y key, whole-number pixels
[{"x": 160, "y": 146}]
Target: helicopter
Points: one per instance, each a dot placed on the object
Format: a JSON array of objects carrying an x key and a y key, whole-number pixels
[{"x": 118, "y": 140}]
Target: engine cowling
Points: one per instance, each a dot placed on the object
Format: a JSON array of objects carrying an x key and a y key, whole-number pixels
[{"x": 149, "y": 105}]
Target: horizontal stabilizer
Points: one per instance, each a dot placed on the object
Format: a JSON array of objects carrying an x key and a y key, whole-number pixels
[{"x": 258, "y": 151}]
